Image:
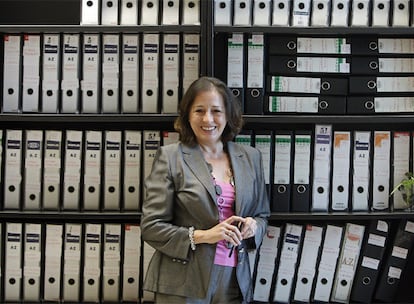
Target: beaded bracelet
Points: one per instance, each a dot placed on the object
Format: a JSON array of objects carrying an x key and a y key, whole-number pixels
[{"x": 191, "y": 237}]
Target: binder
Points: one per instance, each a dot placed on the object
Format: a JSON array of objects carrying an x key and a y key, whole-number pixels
[
  {"x": 109, "y": 12},
  {"x": 282, "y": 187},
  {"x": 92, "y": 170},
  {"x": 361, "y": 171},
  {"x": 11, "y": 73},
  {"x": 50, "y": 73},
  {"x": 328, "y": 261},
  {"x": 321, "y": 187},
  {"x": 400, "y": 164},
  {"x": 348, "y": 260},
  {"x": 53, "y": 262},
  {"x": 379, "y": 65},
  {"x": 132, "y": 169},
  {"x": 261, "y": 13},
  {"x": 255, "y": 71},
  {"x": 111, "y": 263},
  {"x": 320, "y": 13},
  {"x": 171, "y": 12},
  {"x": 306, "y": 104},
  {"x": 373, "y": 45},
  {"x": 149, "y": 12},
  {"x": 72, "y": 169},
  {"x": 360, "y": 13},
  {"x": 90, "y": 12},
  {"x": 148, "y": 253},
  {"x": 151, "y": 142},
  {"x": 71, "y": 262},
  {"x": 301, "y": 13},
  {"x": 33, "y": 169},
  {"x": 190, "y": 12},
  {"x": 32, "y": 261},
  {"x": 70, "y": 74},
  {"x": 381, "y": 10},
  {"x": 129, "y": 12},
  {"x": 373, "y": 85},
  {"x": 300, "y": 201},
  {"x": 340, "y": 13},
  {"x": 395, "y": 262},
  {"x": 244, "y": 138},
  {"x": 295, "y": 65},
  {"x": 13, "y": 262},
  {"x": 170, "y": 137},
  {"x": 381, "y": 170},
  {"x": 31, "y": 73},
  {"x": 235, "y": 65},
  {"x": 290, "y": 247},
  {"x": 191, "y": 59},
  {"x": 222, "y": 12},
  {"x": 170, "y": 76},
  {"x": 130, "y": 73},
  {"x": 112, "y": 170},
  {"x": 150, "y": 80},
  {"x": 90, "y": 82},
  {"x": 263, "y": 142},
  {"x": 110, "y": 73},
  {"x": 380, "y": 104},
  {"x": 92, "y": 262},
  {"x": 369, "y": 265},
  {"x": 131, "y": 265},
  {"x": 12, "y": 169},
  {"x": 268, "y": 253},
  {"x": 400, "y": 13},
  {"x": 52, "y": 169},
  {"x": 307, "y": 267},
  {"x": 243, "y": 12},
  {"x": 281, "y": 14},
  {"x": 341, "y": 161}
]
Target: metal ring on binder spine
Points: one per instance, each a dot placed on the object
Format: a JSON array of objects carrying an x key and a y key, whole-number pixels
[
  {"x": 371, "y": 84},
  {"x": 301, "y": 189},
  {"x": 291, "y": 45},
  {"x": 323, "y": 104},
  {"x": 373, "y": 45},
  {"x": 369, "y": 105},
  {"x": 236, "y": 92},
  {"x": 325, "y": 85},
  {"x": 255, "y": 93},
  {"x": 291, "y": 64},
  {"x": 373, "y": 65},
  {"x": 281, "y": 189}
]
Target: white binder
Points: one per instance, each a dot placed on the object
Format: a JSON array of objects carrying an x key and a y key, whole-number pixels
[
  {"x": 70, "y": 74},
  {"x": 111, "y": 263},
  {"x": 381, "y": 170},
  {"x": 281, "y": 15},
  {"x": 131, "y": 266},
  {"x": 32, "y": 262},
  {"x": 170, "y": 72},
  {"x": 301, "y": 13},
  {"x": 129, "y": 12},
  {"x": 191, "y": 59},
  {"x": 235, "y": 64},
  {"x": 381, "y": 10},
  {"x": 148, "y": 253},
  {"x": 401, "y": 13},
  {"x": 31, "y": 73},
  {"x": 110, "y": 73},
  {"x": 321, "y": 167},
  {"x": 243, "y": 13},
  {"x": 91, "y": 73},
  {"x": 52, "y": 169},
  {"x": 360, "y": 13},
  {"x": 320, "y": 13},
  {"x": 222, "y": 12},
  {"x": 12, "y": 169},
  {"x": 33, "y": 169},
  {"x": 90, "y": 10},
  {"x": 340, "y": 12},
  {"x": 50, "y": 73},
  {"x": 13, "y": 262},
  {"x": 109, "y": 12},
  {"x": 72, "y": 169},
  {"x": 132, "y": 169},
  {"x": 71, "y": 262},
  {"x": 92, "y": 170},
  {"x": 53, "y": 262},
  {"x": 149, "y": 12},
  {"x": 191, "y": 12},
  {"x": 11, "y": 73},
  {"x": 150, "y": 80},
  {"x": 130, "y": 73},
  {"x": 361, "y": 170},
  {"x": 400, "y": 164},
  {"x": 112, "y": 170},
  {"x": 92, "y": 262},
  {"x": 262, "y": 12},
  {"x": 151, "y": 142},
  {"x": 171, "y": 12}
]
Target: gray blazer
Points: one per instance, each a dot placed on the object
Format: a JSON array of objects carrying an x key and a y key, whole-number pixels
[{"x": 180, "y": 194}]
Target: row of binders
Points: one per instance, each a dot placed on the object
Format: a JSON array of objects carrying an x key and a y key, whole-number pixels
[
  {"x": 324, "y": 75},
  {"x": 350, "y": 263},
  {"x": 77, "y": 170},
  {"x": 329, "y": 170},
  {"x": 318, "y": 13},
  {"x": 140, "y": 12},
  {"x": 98, "y": 73},
  {"x": 71, "y": 262}
]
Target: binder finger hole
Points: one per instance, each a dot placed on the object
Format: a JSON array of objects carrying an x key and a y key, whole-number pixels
[
  {"x": 111, "y": 189},
  {"x": 320, "y": 190},
  {"x": 283, "y": 282},
  {"x": 291, "y": 64},
  {"x": 325, "y": 86},
  {"x": 51, "y": 189},
  {"x": 89, "y": 3},
  {"x": 344, "y": 282},
  {"x": 304, "y": 280},
  {"x": 150, "y": 4},
  {"x": 390, "y": 281},
  {"x": 371, "y": 84},
  {"x": 10, "y": 91},
  {"x": 111, "y": 282},
  {"x": 130, "y": 93},
  {"x": 255, "y": 93},
  {"x": 373, "y": 65},
  {"x": 170, "y": 3},
  {"x": 49, "y": 93},
  {"x": 131, "y": 189},
  {"x": 369, "y": 105},
  {"x": 91, "y": 189},
  {"x": 291, "y": 45},
  {"x": 32, "y": 281},
  {"x": 89, "y": 93},
  {"x": 192, "y": 4},
  {"x": 340, "y": 6},
  {"x": 71, "y": 281},
  {"x": 131, "y": 280},
  {"x": 324, "y": 281},
  {"x": 12, "y": 281},
  {"x": 373, "y": 46},
  {"x": 281, "y": 5},
  {"x": 129, "y": 5},
  {"x": 263, "y": 281},
  {"x": 360, "y": 189},
  {"x": 321, "y": 6},
  {"x": 236, "y": 92},
  {"x": 109, "y": 4},
  {"x": 323, "y": 104},
  {"x": 51, "y": 280},
  {"x": 366, "y": 280},
  {"x": 91, "y": 281},
  {"x": 281, "y": 189},
  {"x": 340, "y": 188},
  {"x": 301, "y": 189}
]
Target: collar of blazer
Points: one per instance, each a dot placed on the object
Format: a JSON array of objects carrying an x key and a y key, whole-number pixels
[{"x": 196, "y": 162}]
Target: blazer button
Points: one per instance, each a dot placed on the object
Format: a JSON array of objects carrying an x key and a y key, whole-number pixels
[
  {"x": 184, "y": 262},
  {"x": 174, "y": 260}
]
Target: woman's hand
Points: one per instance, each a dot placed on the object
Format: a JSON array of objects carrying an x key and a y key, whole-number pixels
[{"x": 249, "y": 228}]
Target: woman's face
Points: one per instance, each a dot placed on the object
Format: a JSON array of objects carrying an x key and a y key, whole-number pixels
[{"x": 208, "y": 117}]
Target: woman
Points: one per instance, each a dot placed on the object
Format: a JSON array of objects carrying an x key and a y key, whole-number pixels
[{"x": 205, "y": 205}]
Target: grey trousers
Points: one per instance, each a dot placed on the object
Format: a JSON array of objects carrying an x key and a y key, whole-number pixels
[{"x": 223, "y": 289}]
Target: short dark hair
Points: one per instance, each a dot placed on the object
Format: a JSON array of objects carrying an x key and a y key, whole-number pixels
[{"x": 232, "y": 105}]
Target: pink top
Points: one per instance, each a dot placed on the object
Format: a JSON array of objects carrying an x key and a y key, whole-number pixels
[{"x": 225, "y": 203}]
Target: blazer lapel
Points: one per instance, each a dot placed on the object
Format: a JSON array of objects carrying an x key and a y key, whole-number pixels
[{"x": 241, "y": 176}]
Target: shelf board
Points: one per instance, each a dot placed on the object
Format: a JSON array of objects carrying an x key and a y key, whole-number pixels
[{"x": 335, "y": 216}]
